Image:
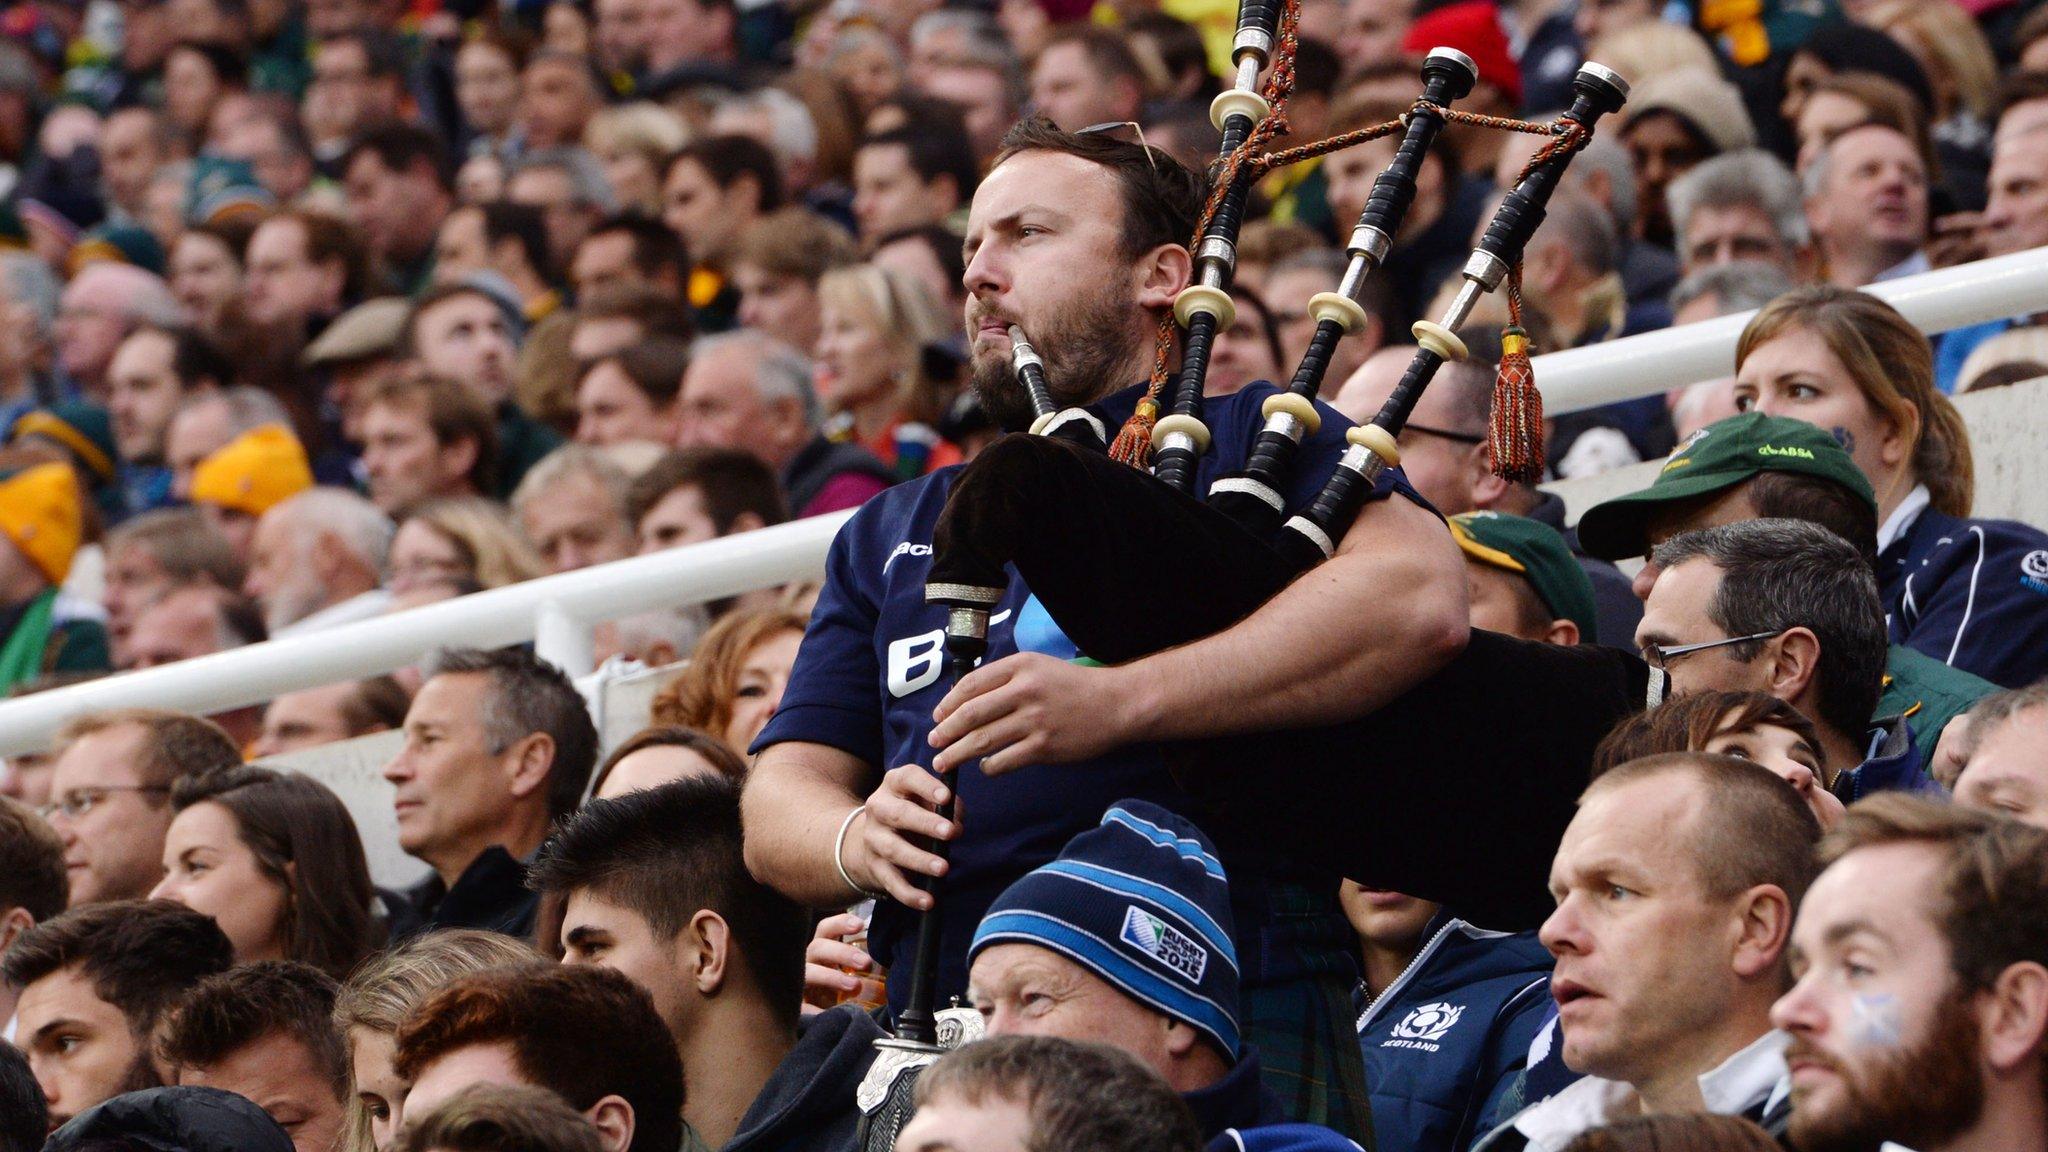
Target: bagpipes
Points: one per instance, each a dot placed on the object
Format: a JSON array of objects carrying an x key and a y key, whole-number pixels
[{"x": 1129, "y": 562}]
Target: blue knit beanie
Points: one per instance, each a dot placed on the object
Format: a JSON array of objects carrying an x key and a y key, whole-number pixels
[{"x": 1141, "y": 901}]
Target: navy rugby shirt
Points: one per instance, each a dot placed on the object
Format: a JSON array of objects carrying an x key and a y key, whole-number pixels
[{"x": 866, "y": 682}]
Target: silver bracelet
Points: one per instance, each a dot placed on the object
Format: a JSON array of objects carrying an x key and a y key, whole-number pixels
[{"x": 839, "y": 854}]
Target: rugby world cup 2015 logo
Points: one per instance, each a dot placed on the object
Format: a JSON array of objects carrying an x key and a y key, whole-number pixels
[
  {"x": 1423, "y": 1027},
  {"x": 1165, "y": 943}
]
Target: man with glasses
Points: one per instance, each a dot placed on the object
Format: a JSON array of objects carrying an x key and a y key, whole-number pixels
[
  {"x": 1784, "y": 607},
  {"x": 110, "y": 794},
  {"x": 1443, "y": 454},
  {"x": 1754, "y": 466}
]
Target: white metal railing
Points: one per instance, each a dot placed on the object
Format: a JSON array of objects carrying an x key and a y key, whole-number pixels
[
  {"x": 557, "y": 613},
  {"x": 1936, "y": 301}
]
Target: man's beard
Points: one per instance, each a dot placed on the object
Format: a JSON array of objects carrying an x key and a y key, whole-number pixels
[
  {"x": 1919, "y": 1096},
  {"x": 141, "y": 1074},
  {"x": 1086, "y": 345}
]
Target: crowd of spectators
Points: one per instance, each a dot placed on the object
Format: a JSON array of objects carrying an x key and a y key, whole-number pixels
[{"x": 316, "y": 311}]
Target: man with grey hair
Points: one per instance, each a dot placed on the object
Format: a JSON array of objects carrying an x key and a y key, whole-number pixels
[
  {"x": 207, "y": 421},
  {"x": 752, "y": 392},
  {"x": 1708, "y": 292},
  {"x": 498, "y": 745},
  {"x": 572, "y": 507},
  {"x": 317, "y": 560},
  {"x": 1741, "y": 205},
  {"x": 28, "y": 310},
  {"x": 1788, "y": 608},
  {"x": 1866, "y": 201},
  {"x": 783, "y": 125},
  {"x": 1604, "y": 174},
  {"x": 568, "y": 185},
  {"x": 99, "y": 308}
]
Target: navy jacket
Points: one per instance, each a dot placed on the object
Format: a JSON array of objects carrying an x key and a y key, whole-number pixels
[
  {"x": 808, "y": 1104},
  {"x": 1973, "y": 594},
  {"x": 1444, "y": 1042},
  {"x": 1892, "y": 766}
]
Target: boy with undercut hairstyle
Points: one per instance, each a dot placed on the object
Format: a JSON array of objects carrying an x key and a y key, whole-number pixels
[{"x": 653, "y": 885}]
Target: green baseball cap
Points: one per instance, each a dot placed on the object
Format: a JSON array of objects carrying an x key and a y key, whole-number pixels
[
  {"x": 1537, "y": 553},
  {"x": 1715, "y": 458}
]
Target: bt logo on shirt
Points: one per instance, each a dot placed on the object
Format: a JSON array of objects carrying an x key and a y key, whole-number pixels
[{"x": 916, "y": 661}]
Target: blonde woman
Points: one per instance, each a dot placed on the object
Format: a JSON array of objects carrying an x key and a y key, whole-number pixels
[
  {"x": 380, "y": 995},
  {"x": 875, "y": 353},
  {"x": 634, "y": 143},
  {"x": 1957, "y": 59},
  {"x": 465, "y": 540},
  {"x": 1971, "y": 593},
  {"x": 735, "y": 677}
]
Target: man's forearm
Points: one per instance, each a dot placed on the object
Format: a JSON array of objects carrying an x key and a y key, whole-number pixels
[
  {"x": 1347, "y": 637},
  {"x": 796, "y": 797}
]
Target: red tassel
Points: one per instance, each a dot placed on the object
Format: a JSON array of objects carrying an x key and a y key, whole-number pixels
[
  {"x": 1515, "y": 438},
  {"x": 1133, "y": 444}
]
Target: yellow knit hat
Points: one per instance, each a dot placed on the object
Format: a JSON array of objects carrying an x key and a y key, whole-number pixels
[
  {"x": 254, "y": 472},
  {"x": 40, "y": 513}
]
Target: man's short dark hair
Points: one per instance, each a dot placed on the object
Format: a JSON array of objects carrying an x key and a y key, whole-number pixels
[
  {"x": 401, "y": 147},
  {"x": 24, "y": 1110},
  {"x": 667, "y": 852},
  {"x": 1108, "y": 53},
  {"x": 228, "y": 1012},
  {"x": 581, "y": 1032},
  {"x": 934, "y": 152},
  {"x": 377, "y": 703},
  {"x": 32, "y": 875},
  {"x": 1162, "y": 197},
  {"x": 526, "y": 694},
  {"x": 943, "y": 242},
  {"x": 657, "y": 249},
  {"x": 1076, "y": 1095},
  {"x": 140, "y": 955},
  {"x": 384, "y": 51},
  {"x": 1798, "y": 496},
  {"x": 501, "y": 1118},
  {"x": 1752, "y": 830},
  {"x": 1778, "y": 574},
  {"x": 730, "y": 481},
  {"x": 194, "y": 358},
  {"x": 524, "y": 225},
  {"x": 229, "y": 65},
  {"x": 182, "y": 543},
  {"x": 727, "y": 158}
]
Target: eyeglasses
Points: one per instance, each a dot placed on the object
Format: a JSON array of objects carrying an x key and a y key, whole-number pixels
[
  {"x": 78, "y": 801},
  {"x": 1660, "y": 657},
  {"x": 1442, "y": 433}
]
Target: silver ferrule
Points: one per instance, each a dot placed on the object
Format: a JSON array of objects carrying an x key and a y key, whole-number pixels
[
  {"x": 1181, "y": 441},
  {"x": 1254, "y": 41},
  {"x": 967, "y": 621},
  {"x": 1217, "y": 248},
  {"x": 1286, "y": 424},
  {"x": 1364, "y": 461},
  {"x": 1461, "y": 307},
  {"x": 1213, "y": 272},
  {"x": 1486, "y": 268},
  {"x": 1022, "y": 354},
  {"x": 1369, "y": 241}
]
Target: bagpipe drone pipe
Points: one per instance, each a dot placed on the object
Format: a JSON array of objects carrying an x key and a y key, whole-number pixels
[{"x": 1457, "y": 791}]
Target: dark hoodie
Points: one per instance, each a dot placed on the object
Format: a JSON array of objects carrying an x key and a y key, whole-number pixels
[
  {"x": 808, "y": 1104},
  {"x": 175, "y": 1120}
]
